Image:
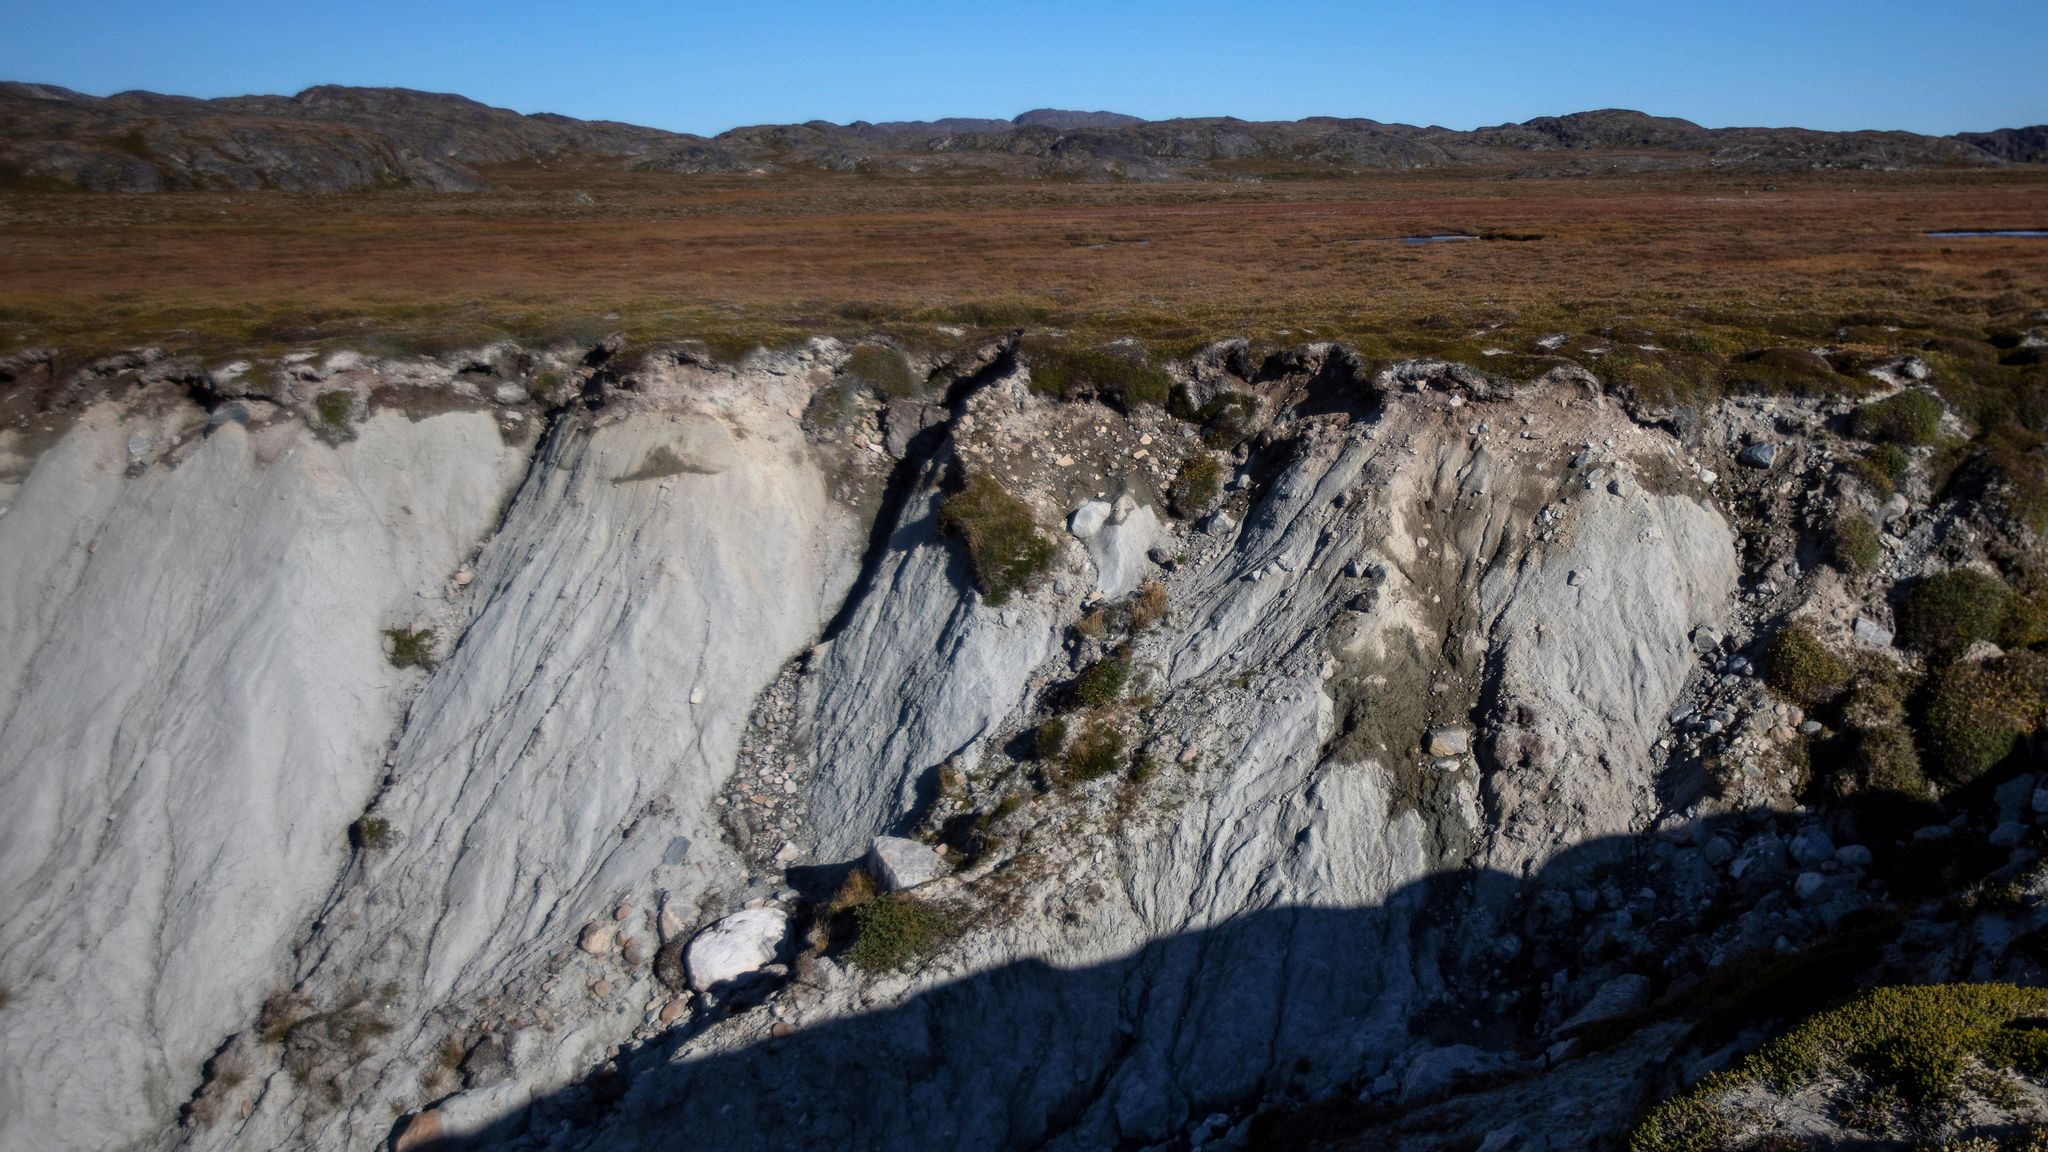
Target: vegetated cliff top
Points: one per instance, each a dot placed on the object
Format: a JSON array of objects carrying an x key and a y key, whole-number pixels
[{"x": 334, "y": 138}]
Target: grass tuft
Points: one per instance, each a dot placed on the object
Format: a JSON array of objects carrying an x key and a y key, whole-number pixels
[{"x": 1008, "y": 552}]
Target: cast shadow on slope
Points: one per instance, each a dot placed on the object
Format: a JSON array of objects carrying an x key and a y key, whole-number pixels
[{"x": 1287, "y": 1004}]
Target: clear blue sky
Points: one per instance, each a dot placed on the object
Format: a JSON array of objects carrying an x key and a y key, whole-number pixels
[{"x": 704, "y": 67}]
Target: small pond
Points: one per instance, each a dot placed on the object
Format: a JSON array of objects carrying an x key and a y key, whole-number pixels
[{"x": 2027, "y": 233}]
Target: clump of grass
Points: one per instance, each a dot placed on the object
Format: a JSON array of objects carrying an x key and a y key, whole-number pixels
[
  {"x": 370, "y": 833},
  {"x": 1803, "y": 669},
  {"x": 1973, "y": 716},
  {"x": 1910, "y": 417},
  {"x": 881, "y": 368},
  {"x": 1102, "y": 682},
  {"x": 1076, "y": 373},
  {"x": 1882, "y": 468},
  {"x": 1096, "y": 752},
  {"x": 1007, "y": 550},
  {"x": 410, "y": 647},
  {"x": 1149, "y": 606},
  {"x": 542, "y": 389},
  {"x": 1049, "y": 739},
  {"x": 896, "y": 930},
  {"x": 1854, "y": 545},
  {"x": 1196, "y": 484},
  {"x": 1922, "y": 1046},
  {"x": 333, "y": 407},
  {"x": 1943, "y": 615}
]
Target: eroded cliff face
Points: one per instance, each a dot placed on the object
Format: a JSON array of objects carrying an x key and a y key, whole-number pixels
[{"x": 700, "y": 639}]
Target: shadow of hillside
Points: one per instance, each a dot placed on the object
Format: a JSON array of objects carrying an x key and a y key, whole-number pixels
[{"x": 1277, "y": 1007}]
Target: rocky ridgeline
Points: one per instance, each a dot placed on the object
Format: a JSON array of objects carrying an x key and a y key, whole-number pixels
[
  {"x": 332, "y": 138},
  {"x": 765, "y": 754}
]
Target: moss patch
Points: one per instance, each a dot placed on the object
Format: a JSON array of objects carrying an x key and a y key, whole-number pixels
[{"x": 1854, "y": 545}]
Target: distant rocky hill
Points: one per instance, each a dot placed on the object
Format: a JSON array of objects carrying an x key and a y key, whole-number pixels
[{"x": 334, "y": 138}]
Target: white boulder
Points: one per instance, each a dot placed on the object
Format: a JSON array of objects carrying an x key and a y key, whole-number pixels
[
  {"x": 897, "y": 864},
  {"x": 741, "y": 943}
]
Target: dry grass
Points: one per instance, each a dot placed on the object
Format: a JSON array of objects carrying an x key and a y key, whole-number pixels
[{"x": 762, "y": 259}]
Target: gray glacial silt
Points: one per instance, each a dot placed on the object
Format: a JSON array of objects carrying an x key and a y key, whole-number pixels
[
  {"x": 1277, "y": 911},
  {"x": 195, "y": 707}
]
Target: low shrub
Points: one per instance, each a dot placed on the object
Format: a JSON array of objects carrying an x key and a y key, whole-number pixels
[
  {"x": 1854, "y": 545},
  {"x": 1943, "y": 615},
  {"x": 1050, "y": 738},
  {"x": 1102, "y": 682},
  {"x": 1909, "y": 417},
  {"x": 1077, "y": 373},
  {"x": 1229, "y": 420},
  {"x": 1096, "y": 752},
  {"x": 1973, "y": 716},
  {"x": 1882, "y": 468},
  {"x": 410, "y": 647},
  {"x": 1803, "y": 669},
  {"x": 896, "y": 930},
  {"x": 1196, "y": 484},
  {"x": 1007, "y": 551},
  {"x": 1785, "y": 371},
  {"x": 1917, "y": 1046},
  {"x": 1888, "y": 761},
  {"x": 881, "y": 368}
]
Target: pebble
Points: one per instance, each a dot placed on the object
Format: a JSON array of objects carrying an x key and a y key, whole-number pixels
[{"x": 597, "y": 939}]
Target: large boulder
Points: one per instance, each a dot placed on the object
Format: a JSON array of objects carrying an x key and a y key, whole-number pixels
[{"x": 736, "y": 946}]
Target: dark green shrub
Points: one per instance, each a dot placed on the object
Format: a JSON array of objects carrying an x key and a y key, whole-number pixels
[
  {"x": 1102, "y": 682},
  {"x": 881, "y": 368},
  {"x": 1887, "y": 761},
  {"x": 411, "y": 647},
  {"x": 1007, "y": 550},
  {"x": 1973, "y": 716},
  {"x": 1075, "y": 373},
  {"x": 1943, "y": 615},
  {"x": 1196, "y": 484},
  {"x": 1097, "y": 751},
  {"x": 1854, "y": 545},
  {"x": 1802, "y": 668},
  {"x": 896, "y": 930},
  {"x": 1908, "y": 417}
]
